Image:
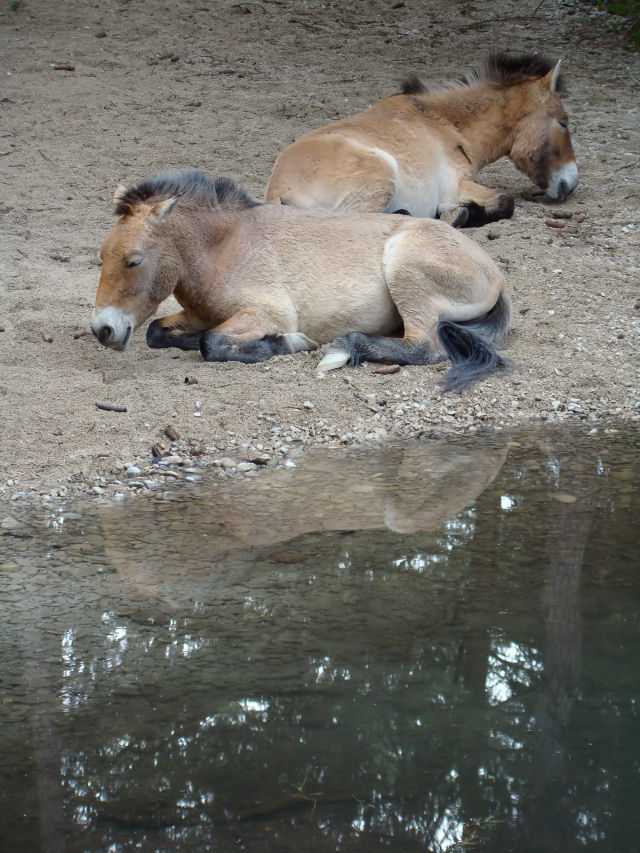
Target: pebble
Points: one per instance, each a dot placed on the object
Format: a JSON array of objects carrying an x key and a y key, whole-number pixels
[
  {"x": 171, "y": 460},
  {"x": 226, "y": 462},
  {"x": 11, "y": 523},
  {"x": 133, "y": 471}
]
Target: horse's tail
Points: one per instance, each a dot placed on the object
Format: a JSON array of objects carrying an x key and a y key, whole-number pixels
[{"x": 470, "y": 345}]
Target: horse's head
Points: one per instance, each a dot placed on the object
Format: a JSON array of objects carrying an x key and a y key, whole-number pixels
[
  {"x": 140, "y": 269},
  {"x": 542, "y": 146}
]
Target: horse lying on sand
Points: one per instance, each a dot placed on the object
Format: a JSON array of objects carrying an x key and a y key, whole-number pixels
[
  {"x": 257, "y": 280},
  {"x": 419, "y": 152}
]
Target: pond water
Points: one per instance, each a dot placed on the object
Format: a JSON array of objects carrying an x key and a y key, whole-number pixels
[{"x": 430, "y": 646}]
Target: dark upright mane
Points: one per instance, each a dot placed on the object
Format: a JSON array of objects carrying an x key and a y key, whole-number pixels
[
  {"x": 497, "y": 67},
  {"x": 190, "y": 185}
]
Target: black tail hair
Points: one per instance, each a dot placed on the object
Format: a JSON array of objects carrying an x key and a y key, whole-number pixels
[{"x": 470, "y": 345}]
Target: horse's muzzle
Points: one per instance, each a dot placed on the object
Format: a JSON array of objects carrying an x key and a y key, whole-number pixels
[
  {"x": 106, "y": 337},
  {"x": 563, "y": 182},
  {"x": 112, "y": 328}
]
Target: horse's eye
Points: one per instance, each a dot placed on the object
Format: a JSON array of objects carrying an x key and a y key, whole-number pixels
[
  {"x": 134, "y": 262},
  {"x": 562, "y": 123}
]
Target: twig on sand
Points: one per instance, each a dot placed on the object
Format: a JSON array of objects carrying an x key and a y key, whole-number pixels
[{"x": 112, "y": 407}]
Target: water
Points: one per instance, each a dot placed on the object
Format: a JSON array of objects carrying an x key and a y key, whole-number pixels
[{"x": 431, "y": 647}]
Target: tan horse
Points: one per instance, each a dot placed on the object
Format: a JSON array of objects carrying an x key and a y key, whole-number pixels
[
  {"x": 258, "y": 280},
  {"x": 419, "y": 152}
]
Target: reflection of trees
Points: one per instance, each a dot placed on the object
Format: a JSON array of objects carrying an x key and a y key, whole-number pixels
[{"x": 430, "y": 692}]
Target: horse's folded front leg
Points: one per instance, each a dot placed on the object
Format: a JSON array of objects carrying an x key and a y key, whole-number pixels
[
  {"x": 357, "y": 347},
  {"x": 174, "y": 331},
  {"x": 215, "y": 346},
  {"x": 480, "y": 205}
]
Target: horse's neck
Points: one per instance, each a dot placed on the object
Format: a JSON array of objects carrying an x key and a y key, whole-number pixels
[
  {"x": 200, "y": 237},
  {"x": 482, "y": 116},
  {"x": 204, "y": 231}
]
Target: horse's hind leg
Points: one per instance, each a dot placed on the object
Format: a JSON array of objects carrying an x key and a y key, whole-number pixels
[
  {"x": 181, "y": 330},
  {"x": 356, "y": 347},
  {"x": 411, "y": 273},
  {"x": 480, "y": 205}
]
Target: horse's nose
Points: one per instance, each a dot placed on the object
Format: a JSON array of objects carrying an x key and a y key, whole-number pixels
[{"x": 104, "y": 334}]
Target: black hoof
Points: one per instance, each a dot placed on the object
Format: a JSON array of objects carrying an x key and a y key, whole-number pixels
[
  {"x": 461, "y": 219},
  {"x": 156, "y": 335}
]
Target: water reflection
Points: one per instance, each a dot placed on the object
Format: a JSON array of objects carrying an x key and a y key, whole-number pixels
[{"x": 428, "y": 649}]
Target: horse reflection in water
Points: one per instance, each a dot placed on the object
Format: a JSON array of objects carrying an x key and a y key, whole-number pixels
[{"x": 405, "y": 488}]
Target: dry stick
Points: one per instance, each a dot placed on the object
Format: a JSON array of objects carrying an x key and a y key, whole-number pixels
[{"x": 111, "y": 407}]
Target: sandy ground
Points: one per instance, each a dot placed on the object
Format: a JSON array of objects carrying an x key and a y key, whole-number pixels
[{"x": 225, "y": 86}]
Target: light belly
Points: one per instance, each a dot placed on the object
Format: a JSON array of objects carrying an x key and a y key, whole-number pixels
[
  {"x": 365, "y": 308},
  {"x": 427, "y": 194}
]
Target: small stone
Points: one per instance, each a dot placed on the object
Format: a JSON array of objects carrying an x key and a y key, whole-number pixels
[
  {"x": 171, "y": 433},
  {"x": 564, "y": 498},
  {"x": 308, "y": 404},
  {"x": 243, "y": 467},
  {"x": 172, "y": 459},
  {"x": 289, "y": 463},
  {"x": 11, "y": 523},
  {"x": 47, "y": 337}
]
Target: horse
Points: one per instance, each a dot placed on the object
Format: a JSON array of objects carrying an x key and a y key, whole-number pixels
[
  {"x": 256, "y": 280},
  {"x": 419, "y": 151}
]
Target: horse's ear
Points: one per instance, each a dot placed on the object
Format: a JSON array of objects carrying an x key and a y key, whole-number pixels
[
  {"x": 553, "y": 77},
  {"x": 120, "y": 192},
  {"x": 161, "y": 211}
]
